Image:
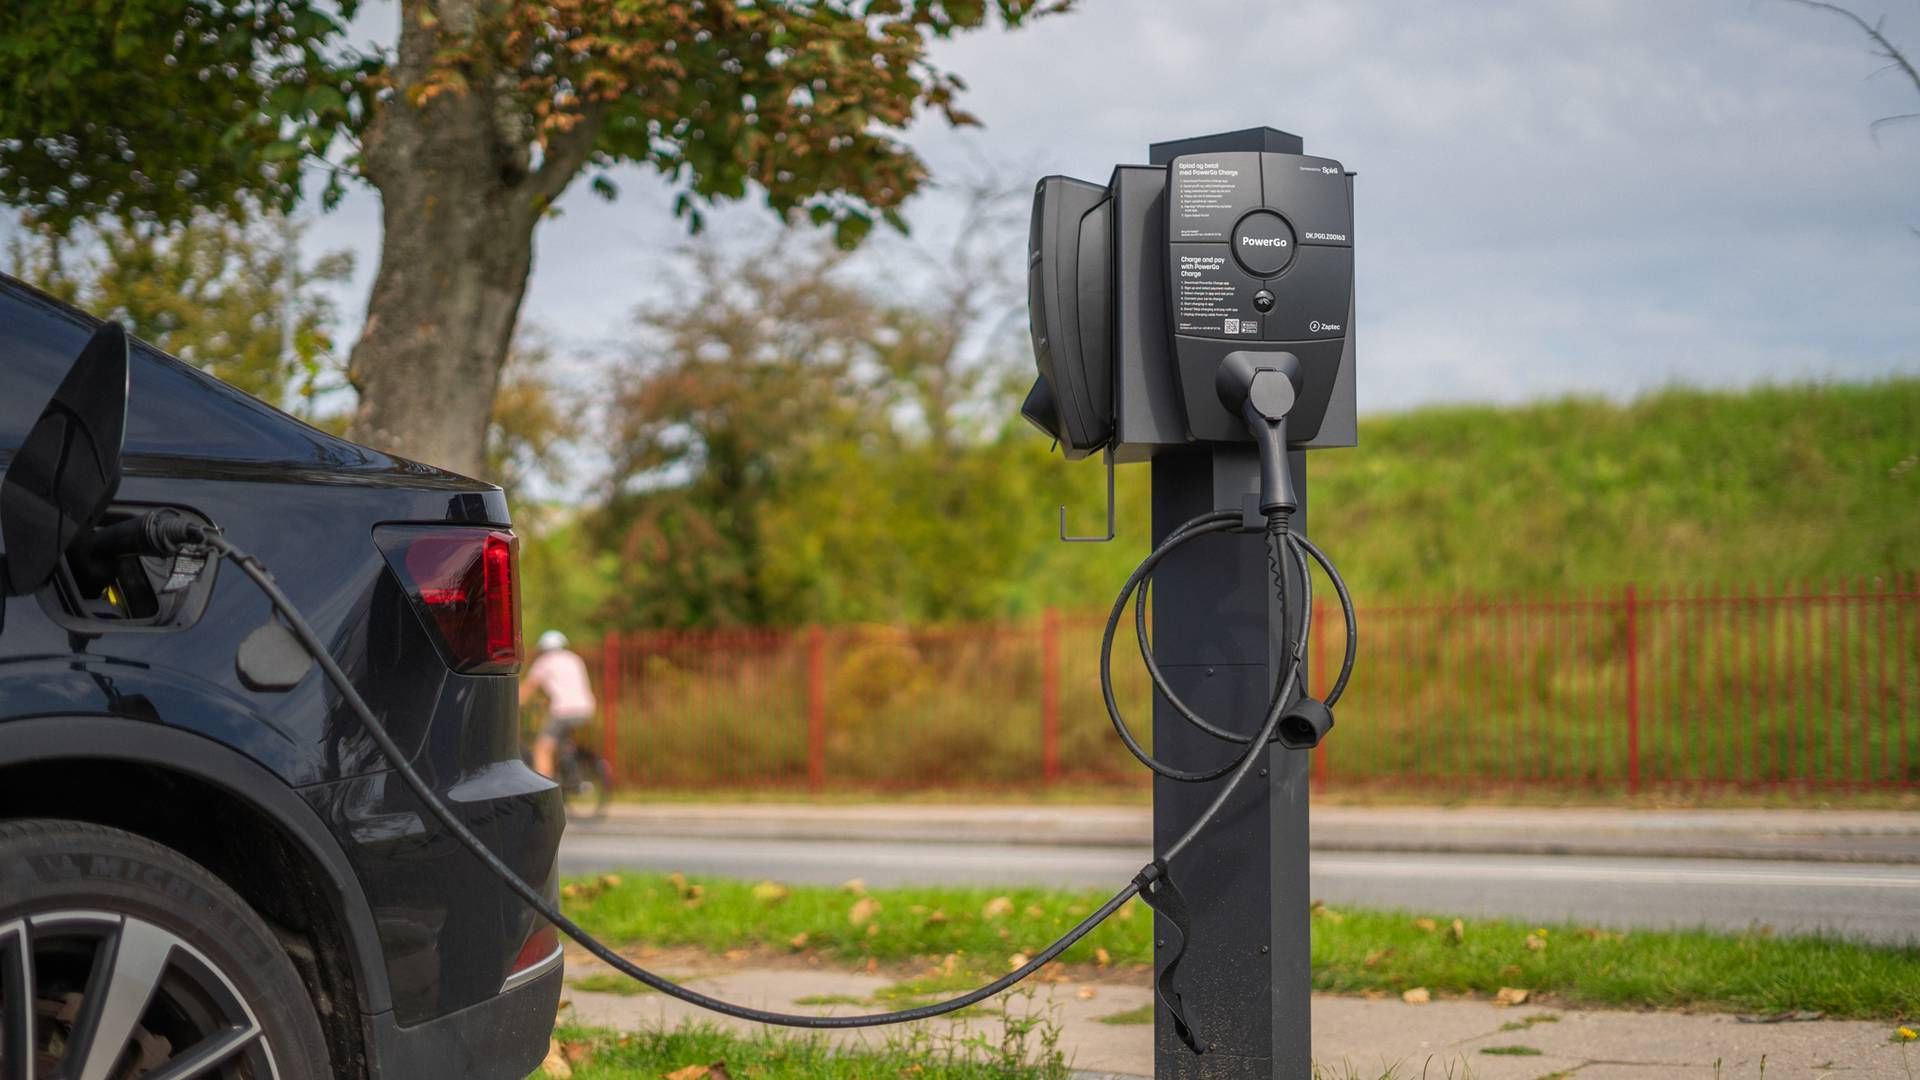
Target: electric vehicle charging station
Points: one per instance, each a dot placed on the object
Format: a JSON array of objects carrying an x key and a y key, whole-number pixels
[{"x": 1197, "y": 313}]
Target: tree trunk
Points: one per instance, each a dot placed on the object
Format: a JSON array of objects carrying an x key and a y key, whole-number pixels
[
  {"x": 460, "y": 198},
  {"x": 453, "y": 270}
]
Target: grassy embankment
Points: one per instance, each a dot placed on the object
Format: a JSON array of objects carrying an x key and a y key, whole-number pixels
[
  {"x": 1675, "y": 492},
  {"x": 916, "y": 930}
]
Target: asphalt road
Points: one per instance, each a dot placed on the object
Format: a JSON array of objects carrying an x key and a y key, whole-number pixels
[{"x": 1875, "y": 902}]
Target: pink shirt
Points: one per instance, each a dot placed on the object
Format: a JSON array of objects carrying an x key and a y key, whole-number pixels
[{"x": 562, "y": 677}]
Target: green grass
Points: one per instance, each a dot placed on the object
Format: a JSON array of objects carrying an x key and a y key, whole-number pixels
[
  {"x": 1141, "y": 1015},
  {"x": 609, "y": 982},
  {"x": 1510, "y": 1051},
  {"x": 1354, "y": 951},
  {"x": 766, "y": 1055}
]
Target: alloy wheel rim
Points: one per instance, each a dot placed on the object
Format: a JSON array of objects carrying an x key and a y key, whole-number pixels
[{"x": 100, "y": 995}]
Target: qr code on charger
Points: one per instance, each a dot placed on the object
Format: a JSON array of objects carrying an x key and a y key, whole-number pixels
[{"x": 1233, "y": 326}]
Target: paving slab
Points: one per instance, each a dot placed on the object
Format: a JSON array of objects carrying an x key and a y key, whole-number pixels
[{"x": 1354, "y": 1038}]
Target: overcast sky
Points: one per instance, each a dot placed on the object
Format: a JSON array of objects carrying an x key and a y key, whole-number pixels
[{"x": 1572, "y": 196}]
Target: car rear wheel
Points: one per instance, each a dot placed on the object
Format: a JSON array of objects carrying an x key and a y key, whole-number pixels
[{"x": 122, "y": 959}]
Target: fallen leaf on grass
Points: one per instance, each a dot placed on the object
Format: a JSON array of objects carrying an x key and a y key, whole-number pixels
[
  {"x": 715, "y": 1071},
  {"x": 1102, "y": 957},
  {"x": 799, "y": 940},
  {"x": 997, "y": 908},
  {"x": 1536, "y": 943},
  {"x": 1458, "y": 931},
  {"x": 1016, "y": 961},
  {"x": 1375, "y": 957},
  {"x": 1510, "y": 995},
  {"x": 1055, "y": 972},
  {"x": 1035, "y": 911},
  {"x": 555, "y": 1065},
  {"x": 1419, "y": 995},
  {"x": 735, "y": 955},
  {"x": 770, "y": 892},
  {"x": 863, "y": 911},
  {"x": 1425, "y": 925},
  {"x": 1087, "y": 993},
  {"x": 936, "y": 917},
  {"x": 575, "y": 1052},
  {"x": 856, "y": 886},
  {"x": 1322, "y": 911}
]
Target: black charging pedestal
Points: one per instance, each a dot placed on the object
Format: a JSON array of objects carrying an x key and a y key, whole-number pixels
[
  {"x": 1218, "y": 635},
  {"x": 1154, "y": 299}
]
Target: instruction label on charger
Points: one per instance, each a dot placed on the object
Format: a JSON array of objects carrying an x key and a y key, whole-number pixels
[
  {"x": 1208, "y": 193},
  {"x": 1209, "y": 294}
]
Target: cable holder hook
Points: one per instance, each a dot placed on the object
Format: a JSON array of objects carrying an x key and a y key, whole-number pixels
[{"x": 1106, "y": 458}]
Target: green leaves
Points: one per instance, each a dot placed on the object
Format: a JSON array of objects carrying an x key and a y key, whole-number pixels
[
  {"x": 168, "y": 106},
  {"x": 153, "y": 109}
]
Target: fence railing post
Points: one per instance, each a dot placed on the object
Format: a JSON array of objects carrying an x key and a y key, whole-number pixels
[
  {"x": 610, "y": 701},
  {"x": 1632, "y": 604},
  {"x": 1050, "y": 695},
  {"x": 1317, "y": 684},
  {"x": 816, "y": 710}
]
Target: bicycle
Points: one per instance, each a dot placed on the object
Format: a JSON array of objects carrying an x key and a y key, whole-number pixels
[{"x": 585, "y": 778}]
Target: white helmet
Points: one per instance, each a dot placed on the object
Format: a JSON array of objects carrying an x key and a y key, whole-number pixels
[{"x": 551, "y": 640}]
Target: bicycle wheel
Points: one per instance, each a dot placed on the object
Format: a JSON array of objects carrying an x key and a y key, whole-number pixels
[{"x": 588, "y": 783}]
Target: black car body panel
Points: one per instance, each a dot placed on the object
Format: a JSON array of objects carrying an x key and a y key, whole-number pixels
[{"x": 306, "y": 503}]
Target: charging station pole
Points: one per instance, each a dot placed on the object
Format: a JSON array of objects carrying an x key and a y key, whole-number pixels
[{"x": 1219, "y": 635}]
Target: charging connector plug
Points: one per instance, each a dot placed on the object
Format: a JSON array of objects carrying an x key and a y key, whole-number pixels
[{"x": 1261, "y": 389}]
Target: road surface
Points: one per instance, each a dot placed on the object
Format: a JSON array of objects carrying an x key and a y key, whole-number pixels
[{"x": 1865, "y": 900}]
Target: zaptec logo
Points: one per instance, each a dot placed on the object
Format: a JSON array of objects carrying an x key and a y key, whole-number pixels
[{"x": 1264, "y": 241}]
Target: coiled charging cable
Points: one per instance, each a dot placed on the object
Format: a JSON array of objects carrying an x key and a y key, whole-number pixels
[{"x": 167, "y": 532}]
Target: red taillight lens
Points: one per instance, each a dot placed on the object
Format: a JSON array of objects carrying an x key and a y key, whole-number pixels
[
  {"x": 464, "y": 581},
  {"x": 540, "y": 947}
]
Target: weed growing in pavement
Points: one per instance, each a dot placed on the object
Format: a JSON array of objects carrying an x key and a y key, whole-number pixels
[{"x": 1430, "y": 1069}]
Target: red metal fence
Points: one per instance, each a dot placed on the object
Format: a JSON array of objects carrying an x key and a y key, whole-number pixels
[{"x": 1807, "y": 685}]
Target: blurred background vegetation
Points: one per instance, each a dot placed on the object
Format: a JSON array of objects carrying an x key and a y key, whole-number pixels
[
  {"x": 803, "y": 435},
  {"x": 794, "y": 432}
]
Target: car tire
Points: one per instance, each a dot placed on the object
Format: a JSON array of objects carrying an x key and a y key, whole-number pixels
[{"x": 134, "y": 949}]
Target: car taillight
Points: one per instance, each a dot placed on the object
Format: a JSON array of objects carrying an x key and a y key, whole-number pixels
[
  {"x": 539, "y": 950},
  {"x": 463, "y": 580}
]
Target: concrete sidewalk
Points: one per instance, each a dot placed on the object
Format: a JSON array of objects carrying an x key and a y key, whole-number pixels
[
  {"x": 1879, "y": 836},
  {"x": 1353, "y": 1037}
]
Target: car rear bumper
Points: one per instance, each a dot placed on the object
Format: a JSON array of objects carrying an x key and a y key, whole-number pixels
[{"x": 505, "y": 1036}]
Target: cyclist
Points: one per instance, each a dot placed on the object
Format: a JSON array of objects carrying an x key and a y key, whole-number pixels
[{"x": 558, "y": 673}]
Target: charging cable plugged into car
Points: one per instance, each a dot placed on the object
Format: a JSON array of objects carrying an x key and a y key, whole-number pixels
[{"x": 57, "y": 492}]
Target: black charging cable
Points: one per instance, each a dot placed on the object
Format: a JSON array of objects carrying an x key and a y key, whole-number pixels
[{"x": 167, "y": 532}]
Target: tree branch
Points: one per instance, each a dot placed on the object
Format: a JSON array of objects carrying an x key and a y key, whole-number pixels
[
  {"x": 1887, "y": 48},
  {"x": 565, "y": 154}
]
